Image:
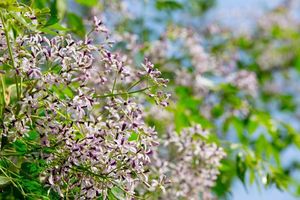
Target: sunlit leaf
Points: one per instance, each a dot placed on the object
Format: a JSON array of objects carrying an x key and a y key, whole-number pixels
[
  {"x": 4, "y": 180},
  {"x": 88, "y": 3}
]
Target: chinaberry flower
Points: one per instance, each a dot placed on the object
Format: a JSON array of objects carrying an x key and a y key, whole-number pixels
[
  {"x": 93, "y": 122},
  {"x": 191, "y": 165},
  {"x": 99, "y": 26}
]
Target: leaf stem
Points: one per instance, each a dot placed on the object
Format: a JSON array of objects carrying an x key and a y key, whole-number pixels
[
  {"x": 114, "y": 85},
  {"x": 136, "y": 83},
  {"x": 124, "y": 93},
  {"x": 2, "y": 95},
  {"x": 10, "y": 53}
]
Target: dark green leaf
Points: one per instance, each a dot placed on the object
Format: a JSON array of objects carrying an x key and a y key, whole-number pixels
[
  {"x": 241, "y": 168},
  {"x": 20, "y": 146},
  {"x": 168, "y": 5},
  {"x": 29, "y": 169},
  {"x": 75, "y": 23},
  {"x": 32, "y": 135}
]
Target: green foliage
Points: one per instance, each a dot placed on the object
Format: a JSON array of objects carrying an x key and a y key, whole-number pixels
[
  {"x": 7, "y": 4},
  {"x": 75, "y": 23},
  {"x": 88, "y": 3},
  {"x": 4, "y": 181},
  {"x": 168, "y": 5},
  {"x": 133, "y": 137},
  {"x": 116, "y": 194},
  {"x": 241, "y": 168}
]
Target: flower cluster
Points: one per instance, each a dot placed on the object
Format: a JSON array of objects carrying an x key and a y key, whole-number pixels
[
  {"x": 244, "y": 80},
  {"x": 111, "y": 152},
  {"x": 79, "y": 97},
  {"x": 190, "y": 163}
]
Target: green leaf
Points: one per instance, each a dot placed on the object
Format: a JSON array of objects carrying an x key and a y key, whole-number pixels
[
  {"x": 52, "y": 20},
  {"x": 20, "y": 146},
  {"x": 88, "y": 3},
  {"x": 296, "y": 140},
  {"x": 32, "y": 186},
  {"x": 61, "y": 6},
  {"x": 58, "y": 27},
  {"x": 168, "y": 5},
  {"x": 4, "y": 180},
  {"x": 76, "y": 24},
  {"x": 297, "y": 64},
  {"x": 280, "y": 179},
  {"x": 4, "y": 141},
  {"x": 6, "y": 3},
  {"x": 38, "y": 3},
  {"x": 239, "y": 127},
  {"x": 32, "y": 135},
  {"x": 133, "y": 137},
  {"x": 217, "y": 111},
  {"x": 181, "y": 120},
  {"x": 16, "y": 30},
  {"x": 118, "y": 193},
  {"x": 30, "y": 169},
  {"x": 252, "y": 125},
  {"x": 110, "y": 196},
  {"x": 241, "y": 168},
  {"x": 261, "y": 146},
  {"x": 62, "y": 91},
  {"x": 49, "y": 31},
  {"x": 22, "y": 21},
  {"x": 53, "y": 14}
]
